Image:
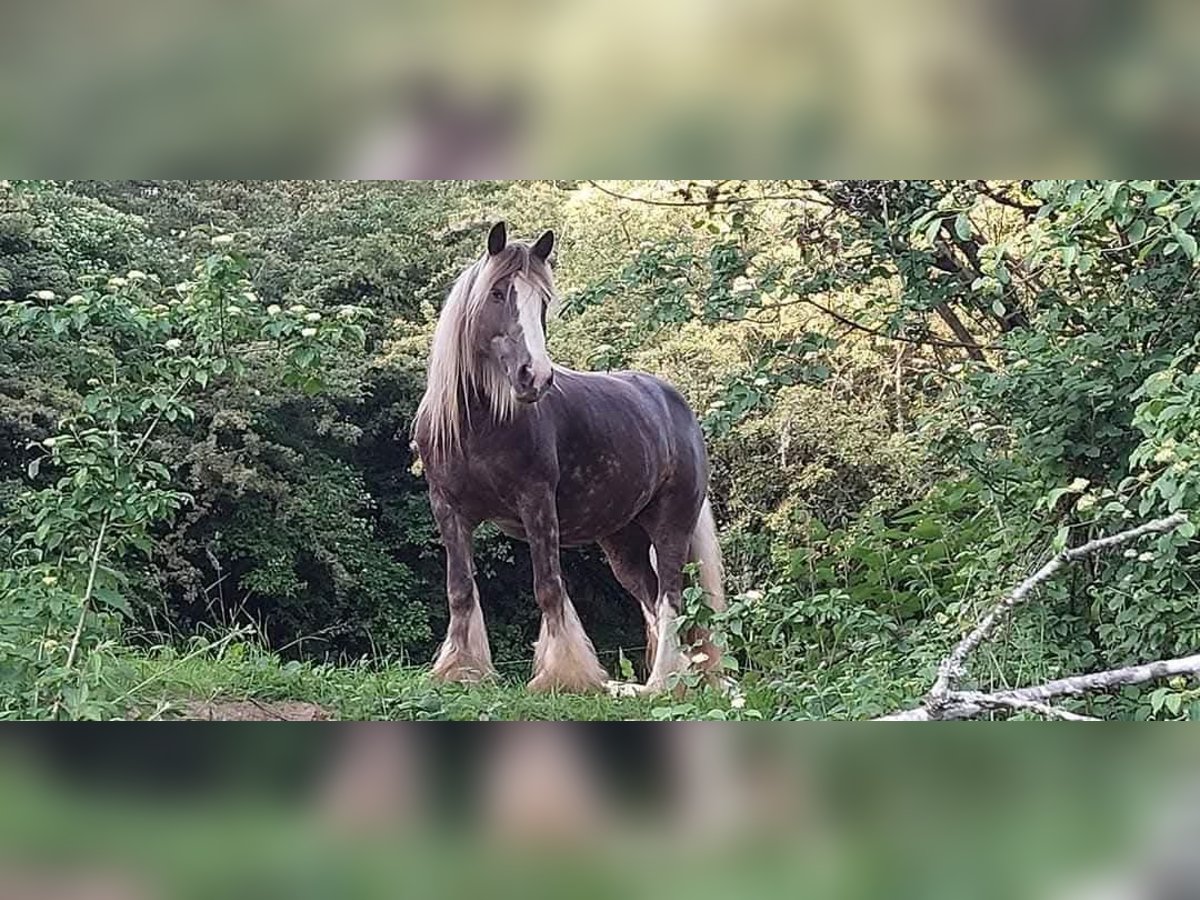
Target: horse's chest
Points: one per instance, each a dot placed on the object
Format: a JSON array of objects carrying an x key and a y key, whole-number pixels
[{"x": 483, "y": 486}]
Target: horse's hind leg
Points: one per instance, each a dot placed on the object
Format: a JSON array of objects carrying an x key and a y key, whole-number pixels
[
  {"x": 670, "y": 556},
  {"x": 564, "y": 658},
  {"x": 628, "y": 552},
  {"x": 669, "y": 521}
]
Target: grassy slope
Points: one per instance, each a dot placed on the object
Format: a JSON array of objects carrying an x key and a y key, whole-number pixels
[{"x": 162, "y": 682}]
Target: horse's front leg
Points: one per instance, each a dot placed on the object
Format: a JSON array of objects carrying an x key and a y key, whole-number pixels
[
  {"x": 564, "y": 658},
  {"x": 465, "y": 654}
]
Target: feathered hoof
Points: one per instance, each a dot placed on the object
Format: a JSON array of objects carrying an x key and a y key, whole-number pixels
[
  {"x": 722, "y": 684},
  {"x": 458, "y": 669},
  {"x": 564, "y": 660},
  {"x": 584, "y": 680}
]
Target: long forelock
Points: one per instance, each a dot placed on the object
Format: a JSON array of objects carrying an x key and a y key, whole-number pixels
[{"x": 454, "y": 368}]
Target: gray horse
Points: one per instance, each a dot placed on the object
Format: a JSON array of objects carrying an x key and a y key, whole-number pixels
[{"x": 558, "y": 458}]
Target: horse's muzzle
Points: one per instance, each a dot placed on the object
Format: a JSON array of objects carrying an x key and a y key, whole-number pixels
[{"x": 531, "y": 387}]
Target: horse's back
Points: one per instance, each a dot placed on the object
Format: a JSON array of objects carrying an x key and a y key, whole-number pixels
[{"x": 601, "y": 399}]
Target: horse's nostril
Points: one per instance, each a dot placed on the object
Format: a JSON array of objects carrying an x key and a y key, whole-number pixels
[{"x": 524, "y": 375}]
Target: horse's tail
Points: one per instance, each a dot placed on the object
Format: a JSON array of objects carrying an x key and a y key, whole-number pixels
[{"x": 705, "y": 551}]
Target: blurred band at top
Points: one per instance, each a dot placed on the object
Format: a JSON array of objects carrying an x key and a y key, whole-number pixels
[{"x": 758, "y": 88}]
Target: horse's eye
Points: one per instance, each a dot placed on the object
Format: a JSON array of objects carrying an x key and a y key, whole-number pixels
[{"x": 498, "y": 295}]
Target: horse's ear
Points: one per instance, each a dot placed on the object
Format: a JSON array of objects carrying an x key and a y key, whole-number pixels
[
  {"x": 497, "y": 238},
  {"x": 543, "y": 246}
]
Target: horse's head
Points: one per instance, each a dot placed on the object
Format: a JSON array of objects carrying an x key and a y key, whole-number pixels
[{"x": 510, "y": 326}]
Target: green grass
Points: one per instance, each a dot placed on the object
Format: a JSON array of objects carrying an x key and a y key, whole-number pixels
[{"x": 160, "y": 683}]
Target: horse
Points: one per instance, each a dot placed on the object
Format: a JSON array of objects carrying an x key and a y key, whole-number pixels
[{"x": 559, "y": 458}]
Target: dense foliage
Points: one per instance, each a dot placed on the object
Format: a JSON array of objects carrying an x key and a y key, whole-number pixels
[{"x": 911, "y": 391}]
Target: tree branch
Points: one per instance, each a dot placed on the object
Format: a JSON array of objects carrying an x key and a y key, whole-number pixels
[
  {"x": 857, "y": 326},
  {"x": 716, "y": 201},
  {"x": 944, "y": 701},
  {"x": 84, "y": 607},
  {"x": 1099, "y": 681},
  {"x": 1005, "y": 200},
  {"x": 1004, "y": 702},
  {"x": 951, "y": 669},
  {"x": 954, "y": 323},
  {"x": 158, "y": 418},
  {"x": 967, "y": 704}
]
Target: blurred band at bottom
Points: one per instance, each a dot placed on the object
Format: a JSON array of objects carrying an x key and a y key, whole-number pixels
[{"x": 597, "y": 810}]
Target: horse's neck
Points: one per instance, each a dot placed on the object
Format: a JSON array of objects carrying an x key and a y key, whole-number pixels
[{"x": 477, "y": 409}]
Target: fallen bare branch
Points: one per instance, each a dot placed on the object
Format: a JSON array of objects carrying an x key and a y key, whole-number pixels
[
  {"x": 951, "y": 669},
  {"x": 955, "y": 707},
  {"x": 1101, "y": 681},
  {"x": 944, "y": 701},
  {"x": 1005, "y": 702},
  {"x": 966, "y": 704}
]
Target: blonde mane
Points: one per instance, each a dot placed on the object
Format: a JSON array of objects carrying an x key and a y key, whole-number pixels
[{"x": 455, "y": 368}]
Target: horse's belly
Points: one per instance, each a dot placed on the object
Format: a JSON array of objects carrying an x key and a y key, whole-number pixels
[
  {"x": 585, "y": 517},
  {"x": 511, "y": 527},
  {"x": 587, "y": 514}
]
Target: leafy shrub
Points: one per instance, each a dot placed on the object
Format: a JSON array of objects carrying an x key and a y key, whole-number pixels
[{"x": 138, "y": 352}]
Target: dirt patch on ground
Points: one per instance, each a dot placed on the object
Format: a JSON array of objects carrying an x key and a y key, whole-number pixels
[{"x": 255, "y": 711}]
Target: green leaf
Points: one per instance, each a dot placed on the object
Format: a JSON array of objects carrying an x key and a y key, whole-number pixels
[
  {"x": 962, "y": 226},
  {"x": 931, "y": 232},
  {"x": 112, "y": 599},
  {"x": 34, "y": 466},
  {"x": 1187, "y": 242},
  {"x": 1060, "y": 539},
  {"x": 624, "y": 666},
  {"x": 1157, "y": 697}
]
